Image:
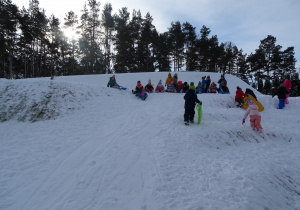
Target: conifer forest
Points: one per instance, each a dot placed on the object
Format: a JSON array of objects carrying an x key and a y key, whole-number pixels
[{"x": 102, "y": 42}]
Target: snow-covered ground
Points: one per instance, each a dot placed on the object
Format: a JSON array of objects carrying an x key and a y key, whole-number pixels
[{"x": 73, "y": 144}]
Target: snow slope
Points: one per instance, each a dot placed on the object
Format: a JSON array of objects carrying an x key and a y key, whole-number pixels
[{"x": 72, "y": 143}]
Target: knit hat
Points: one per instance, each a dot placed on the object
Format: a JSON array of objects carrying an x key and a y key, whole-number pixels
[
  {"x": 238, "y": 88},
  {"x": 192, "y": 86}
]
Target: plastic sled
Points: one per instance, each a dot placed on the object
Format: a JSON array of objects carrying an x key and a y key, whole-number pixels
[
  {"x": 199, "y": 109},
  {"x": 260, "y": 106}
]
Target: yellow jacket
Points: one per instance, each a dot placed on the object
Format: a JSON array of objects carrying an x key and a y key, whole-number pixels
[{"x": 169, "y": 79}]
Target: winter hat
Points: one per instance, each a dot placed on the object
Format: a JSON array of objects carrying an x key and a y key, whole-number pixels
[
  {"x": 113, "y": 76},
  {"x": 139, "y": 81},
  {"x": 238, "y": 88},
  {"x": 208, "y": 77},
  {"x": 192, "y": 86},
  {"x": 203, "y": 77},
  {"x": 160, "y": 82}
]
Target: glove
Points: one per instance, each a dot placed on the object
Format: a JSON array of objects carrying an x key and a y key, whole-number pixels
[{"x": 243, "y": 122}]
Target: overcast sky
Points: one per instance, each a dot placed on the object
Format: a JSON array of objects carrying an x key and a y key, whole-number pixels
[{"x": 243, "y": 22}]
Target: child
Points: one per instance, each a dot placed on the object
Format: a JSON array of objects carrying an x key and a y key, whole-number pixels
[
  {"x": 287, "y": 83},
  {"x": 190, "y": 99},
  {"x": 178, "y": 87},
  {"x": 168, "y": 80},
  {"x": 222, "y": 79},
  {"x": 281, "y": 93},
  {"x": 143, "y": 95},
  {"x": 185, "y": 87},
  {"x": 175, "y": 79},
  {"x": 224, "y": 89},
  {"x": 113, "y": 83},
  {"x": 199, "y": 88},
  {"x": 149, "y": 87},
  {"x": 212, "y": 88},
  {"x": 138, "y": 88},
  {"x": 203, "y": 86},
  {"x": 160, "y": 88},
  {"x": 255, "y": 117},
  {"x": 171, "y": 87},
  {"x": 208, "y": 81},
  {"x": 239, "y": 95}
]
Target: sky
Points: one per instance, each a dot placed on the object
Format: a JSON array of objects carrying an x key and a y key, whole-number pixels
[
  {"x": 72, "y": 143},
  {"x": 244, "y": 23}
]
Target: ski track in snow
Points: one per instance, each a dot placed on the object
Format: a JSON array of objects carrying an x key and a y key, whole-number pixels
[{"x": 114, "y": 151}]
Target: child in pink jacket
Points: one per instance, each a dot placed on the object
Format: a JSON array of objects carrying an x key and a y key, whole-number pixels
[{"x": 255, "y": 117}]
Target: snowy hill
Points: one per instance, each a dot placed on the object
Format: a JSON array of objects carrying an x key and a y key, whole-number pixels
[{"x": 72, "y": 143}]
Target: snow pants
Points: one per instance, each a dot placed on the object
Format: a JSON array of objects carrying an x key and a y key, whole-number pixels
[
  {"x": 240, "y": 101},
  {"x": 286, "y": 100},
  {"x": 189, "y": 114},
  {"x": 255, "y": 121},
  {"x": 281, "y": 103}
]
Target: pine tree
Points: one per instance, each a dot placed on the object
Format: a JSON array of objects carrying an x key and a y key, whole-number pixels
[
  {"x": 108, "y": 24},
  {"x": 71, "y": 23},
  {"x": 123, "y": 42},
  {"x": 190, "y": 38},
  {"x": 176, "y": 37}
]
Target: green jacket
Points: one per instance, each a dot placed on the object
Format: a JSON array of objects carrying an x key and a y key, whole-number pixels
[{"x": 111, "y": 82}]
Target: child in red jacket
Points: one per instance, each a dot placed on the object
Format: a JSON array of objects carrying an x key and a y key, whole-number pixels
[{"x": 239, "y": 96}]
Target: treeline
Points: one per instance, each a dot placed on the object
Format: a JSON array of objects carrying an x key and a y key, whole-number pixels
[{"x": 34, "y": 45}]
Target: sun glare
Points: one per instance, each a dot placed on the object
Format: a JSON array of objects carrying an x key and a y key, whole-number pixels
[{"x": 70, "y": 34}]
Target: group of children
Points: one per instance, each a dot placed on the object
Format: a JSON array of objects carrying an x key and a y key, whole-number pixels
[{"x": 205, "y": 86}]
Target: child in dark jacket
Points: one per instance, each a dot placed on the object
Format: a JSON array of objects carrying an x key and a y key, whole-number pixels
[
  {"x": 149, "y": 87},
  {"x": 281, "y": 93},
  {"x": 185, "y": 87},
  {"x": 190, "y": 102}
]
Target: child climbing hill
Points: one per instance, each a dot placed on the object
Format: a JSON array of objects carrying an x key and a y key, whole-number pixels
[{"x": 255, "y": 117}]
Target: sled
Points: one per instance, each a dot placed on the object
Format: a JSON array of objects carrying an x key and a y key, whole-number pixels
[
  {"x": 259, "y": 105},
  {"x": 199, "y": 109}
]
